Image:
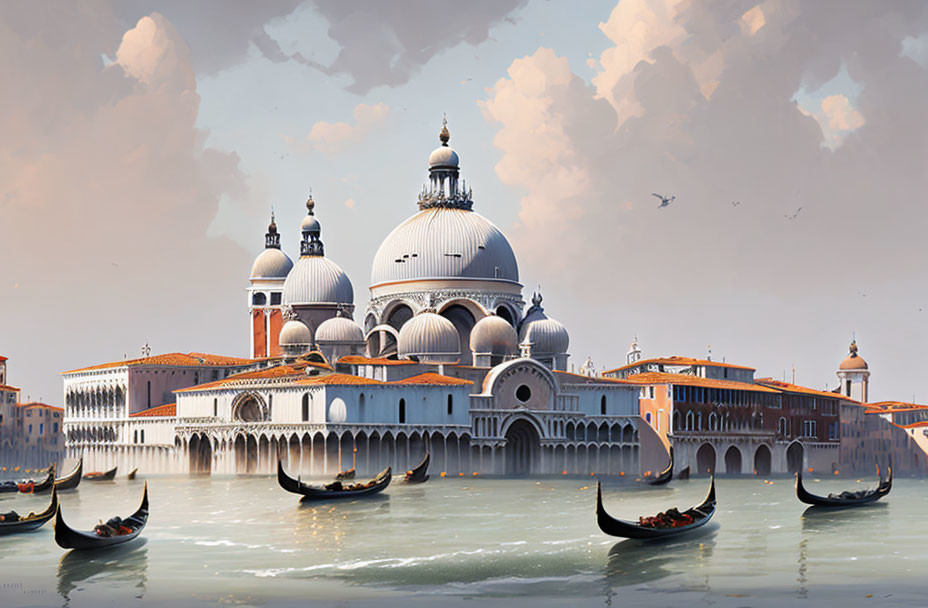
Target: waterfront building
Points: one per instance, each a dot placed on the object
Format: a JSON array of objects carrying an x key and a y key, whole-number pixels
[
  {"x": 30, "y": 433},
  {"x": 448, "y": 359}
]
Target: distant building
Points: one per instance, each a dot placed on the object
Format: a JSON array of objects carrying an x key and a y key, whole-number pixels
[{"x": 30, "y": 433}]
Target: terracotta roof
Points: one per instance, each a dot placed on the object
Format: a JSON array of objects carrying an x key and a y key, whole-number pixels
[
  {"x": 2, "y": 359},
  {"x": 358, "y": 360},
  {"x": 36, "y": 404},
  {"x": 916, "y": 425},
  {"x": 795, "y": 388},
  {"x": 434, "y": 379},
  {"x": 7, "y": 387},
  {"x": 675, "y": 360},
  {"x": 168, "y": 409},
  {"x": 592, "y": 379},
  {"x": 173, "y": 360},
  {"x": 659, "y": 378},
  {"x": 896, "y": 406},
  {"x": 338, "y": 379}
]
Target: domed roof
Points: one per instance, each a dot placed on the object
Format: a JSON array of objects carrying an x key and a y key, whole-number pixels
[
  {"x": 294, "y": 333},
  {"x": 310, "y": 224},
  {"x": 493, "y": 335},
  {"x": 317, "y": 280},
  {"x": 339, "y": 329},
  {"x": 429, "y": 335},
  {"x": 271, "y": 264},
  {"x": 546, "y": 335},
  {"x": 443, "y": 156},
  {"x": 444, "y": 242},
  {"x": 853, "y": 360}
]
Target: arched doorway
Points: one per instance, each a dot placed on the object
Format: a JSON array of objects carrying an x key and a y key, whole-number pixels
[
  {"x": 705, "y": 458},
  {"x": 239, "y": 454},
  {"x": 201, "y": 454},
  {"x": 523, "y": 446},
  {"x": 463, "y": 321},
  {"x": 733, "y": 461},
  {"x": 762, "y": 461},
  {"x": 794, "y": 454},
  {"x": 252, "y": 462}
]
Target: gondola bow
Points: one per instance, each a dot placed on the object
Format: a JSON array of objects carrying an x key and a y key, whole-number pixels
[{"x": 31, "y": 522}]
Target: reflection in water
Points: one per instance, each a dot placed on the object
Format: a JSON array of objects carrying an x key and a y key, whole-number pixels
[
  {"x": 126, "y": 563},
  {"x": 803, "y": 567},
  {"x": 636, "y": 561},
  {"x": 825, "y": 519}
]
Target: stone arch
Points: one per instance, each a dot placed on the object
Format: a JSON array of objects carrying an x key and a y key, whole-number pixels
[
  {"x": 705, "y": 458},
  {"x": 762, "y": 460},
  {"x": 249, "y": 407},
  {"x": 251, "y": 463},
  {"x": 523, "y": 446},
  {"x": 241, "y": 458},
  {"x": 795, "y": 456},
  {"x": 733, "y": 461}
]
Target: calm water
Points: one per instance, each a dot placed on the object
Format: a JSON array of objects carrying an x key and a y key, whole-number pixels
[{"x": 245, "y": 542}]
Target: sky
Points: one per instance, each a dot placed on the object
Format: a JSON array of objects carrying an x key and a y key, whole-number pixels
[{"x": 143, "y": 145}]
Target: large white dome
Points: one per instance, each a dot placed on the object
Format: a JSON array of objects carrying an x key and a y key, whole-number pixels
[
  {"x": 271, "y": 264},
  {"x": 317, "y": 280},
  {"x": 443, "y": 242},
  {"x": 429, "y": 337}
]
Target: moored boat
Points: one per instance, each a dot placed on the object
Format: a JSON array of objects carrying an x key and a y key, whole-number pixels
[
  {"x": 700, "y": 514},
  {"x": 47, "y": 484},
  {"x": 31, "y": 521},
  {"x": 101, "y": 476},
  {"x": 68, "y": 538},
  {"x": 845, "y": 499},
  {"x": 684, "y": 474},
  {"x": 72, "y": 479},
  {"x": 333, "y": 490},
  {"x": 664, "y": 476},
  {"x": 133, "y": 473},
  {"x": 420, "y": 473}
]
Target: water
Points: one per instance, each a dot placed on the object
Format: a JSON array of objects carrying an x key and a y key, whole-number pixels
[{"x": 461, "y": 541}]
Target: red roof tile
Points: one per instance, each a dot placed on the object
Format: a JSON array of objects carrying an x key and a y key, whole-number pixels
[
  {"x": 7, "y": 387},
  {"x": 676, "y": 360},
  {"x": 659, "y": 378},
  {"x": 173, "y": 360},
  {"x": 434, "y": 379},
  {"x": 795, "y": 388},
  {"x": 358, "y": 360},
  {"x": 168, "y": 409},
  {"x": 36, "y": 404}
]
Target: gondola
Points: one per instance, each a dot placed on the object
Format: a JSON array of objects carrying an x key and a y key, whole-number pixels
[
  {"x": 664, "y": 476},
  {"x": 47, "y": 484},
  {"x": 31, "y": 522},
  {"x": 701, "y": 515},
  {"x": 98, "y": 476},
  {"x": 684, "y": 474},
  {"x": 868, "y": 497},
  {"x": 72, "y": 479},
  {"x": 75, "y": 539},
  {"x": 132, "y": 473},
  {"x": 349, "y": 474},
  {"x": 420, "y": 474},
  {"x": 321, "y": 493}
]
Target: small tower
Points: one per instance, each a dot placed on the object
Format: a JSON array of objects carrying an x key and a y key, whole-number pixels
[
  {"x": 266, "y": 285},
  {"x": 634, "y": 353},
  {"x": 854, "y": 375}
]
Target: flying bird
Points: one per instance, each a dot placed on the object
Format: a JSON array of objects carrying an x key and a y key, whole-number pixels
[
  {"x": 735, "y": 203},
  {"x": 664, "y": 200},
  {"x": 793, "y": 216}
]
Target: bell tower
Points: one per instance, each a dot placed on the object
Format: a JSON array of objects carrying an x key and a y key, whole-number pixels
[{"x": 854, "y": 374}]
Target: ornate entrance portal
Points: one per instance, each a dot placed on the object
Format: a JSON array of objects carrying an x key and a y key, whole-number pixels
[{"x": 523, "y": 449}]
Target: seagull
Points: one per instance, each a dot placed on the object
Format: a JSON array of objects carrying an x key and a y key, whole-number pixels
[
  {"x": 664, "y": 200},
  {"x": 735, "y": 203},
  {"x": 793, "y": 216}
]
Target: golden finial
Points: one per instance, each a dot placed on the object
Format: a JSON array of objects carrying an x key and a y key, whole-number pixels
[
  {"x": 273, "y": 226},
  {"x": 310, "y": 203},
  {"x": 444, "y": 136}
]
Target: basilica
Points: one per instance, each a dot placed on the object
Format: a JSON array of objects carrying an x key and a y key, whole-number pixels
[{"x": 448, "y": 358}]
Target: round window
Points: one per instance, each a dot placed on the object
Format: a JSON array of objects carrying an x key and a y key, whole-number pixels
[{"x": 523, "y": 393}]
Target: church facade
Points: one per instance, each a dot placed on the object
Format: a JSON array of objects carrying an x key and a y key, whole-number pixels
[{"x": 447, "y": 359}]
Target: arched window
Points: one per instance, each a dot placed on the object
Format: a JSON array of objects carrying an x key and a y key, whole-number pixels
[
  {"x": 135, "y": 436},
  {"x": 149, "y": 393},
  {"x": 361, "y": 407},
  {"x": 602, "y": 405},
  {"x": 258, "y": 299},
  {"x": 215, "y": 407},
  {"x": 402, "y": 411},
  {"x": 306, "y": 407},
  {"x": 713, "y": 422},
  {"x": 781, "y": 426},
  {"x": 142, "y": 436},
  {"x": 450, "y": 404},
  {"x": 648, "y": 417},
  {"x": 689, "y": 421},
  {"x": 270, "y": 404}
]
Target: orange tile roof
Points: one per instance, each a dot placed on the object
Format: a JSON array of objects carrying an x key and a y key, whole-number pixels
[
  {"x": 338, "y": 379},
  {"x": 916, "y": 425},
  {"x": 676, "y": 360},
  {"x": 592, "y": 378},
  {"x": 896, "y": 406},
  {"x": 36, "y": 404},
  {"x": 664, "y": 378},
  {"x": 168, "y": 409},
  {"x": 795, "y": 388},
  {"x": 297, "y": 368},
  {"x": 7, "y": 387},
  {"x": 359, "y": 360},
  {"x": 173, "y": 360},
  {"x": 2, "y": 359},
  {"x": 432, "y": 378}
]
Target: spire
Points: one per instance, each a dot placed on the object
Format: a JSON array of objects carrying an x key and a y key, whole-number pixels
[
  {"x": 445, "y": 135},
  {"x": 311, "y": 243},
  {"x": 444, "y": 188},
  {"x": 272, "y": 238}
]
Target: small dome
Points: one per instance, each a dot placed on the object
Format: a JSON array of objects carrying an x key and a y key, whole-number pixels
[
  {"x": 429, "y": 336},
  {"x": 493, "y": 335},
  {"x": 339, "y": 329},
  {"x": 310, "y": 224},
  {"x": 317, "y": 280},
  {"x": 547, "y": 336},
  {"x": 443, "y": 156},
  {"x": 271, "y": 264},
  {"x": 853, "y": 360},
  {"x": 295, "y": 333}
]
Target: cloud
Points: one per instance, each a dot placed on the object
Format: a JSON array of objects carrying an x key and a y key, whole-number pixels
[
  {"x": 349, "y": 203},
  {"x": 332, "y": 138},
  {"x": 109, "y": 191},
  {"x": 693, "y": 101}
]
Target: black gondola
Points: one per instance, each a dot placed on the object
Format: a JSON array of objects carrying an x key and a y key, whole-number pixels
[
  {"x": 47, "y": 484},
  {"x": 310, "y": 492},
  {"x": 98, "y": 476},
  {"x": 72, "y": 479},
  {"x": 664, "y": 476},
  {"x": 701, "y": 515},
  {"x": 133, "y": 473},
  {"x": 868, "y": 497},
  {"x": 684, "y": 474},
  {"x": 68, "y": 538},
  {"x": 420, "y": 474},
  {"x": 32, "y": 522}
]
